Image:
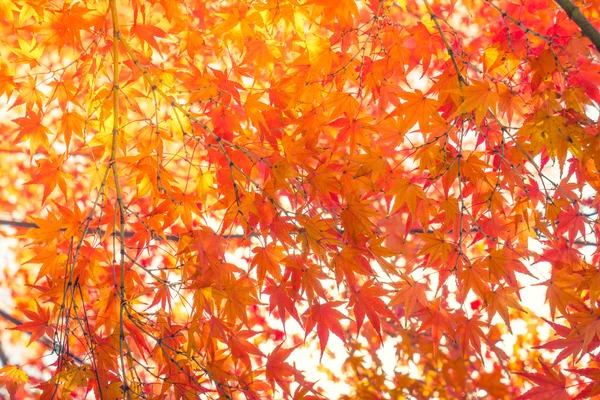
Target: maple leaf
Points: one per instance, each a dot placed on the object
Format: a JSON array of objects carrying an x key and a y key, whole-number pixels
[
  {"x": 373, "y": 162},
  {"x": 503, "y": 263},
  {"x": 366, "y": 300},
  {"x": 439, "y": 321},
  {"x": 239, "y": 294},
  {"x": 357, "y": 216},
  {"x": 30, "y": 53},
  {"x": 63, "y": 26},
  {"x": 268, "y": 259},
  {"x": 12, "y": 377},
  {"x": 241, "y": 348},
  {"x": 560, "y": 292},
  {"x": 185, "y": 205},
  {"x": 50, "y": 174},
  {"x": 321, "y": 57},
  {"x": 342, "y": 11},
  {"x": 32, "y": 128},
  {"x": 469, "y": 332},
  {"x": 148, "y": 34},
  {"x": 550, "y": 384},
  {"x": 7, "y": 82},
  {"x": 72, "y": 219},
  {"x": 64, "y": 91},
  {"x": 348, "y": 262},
  {"x": 471, "y": 278},
  {"x": 281, "y": 172},
  {"x": 308, "y": 275},
  {"x": 113, "y": 391},
  {"x": 39, "y": 323},
  {"x": 573, "y": 223},
  {"x": 591, "y": 389},
  {"x": 51, "y": 261},
  {"x": 277, "y": 370},
  {"x": 172, "y": 9},
  {"x": 72, "y": 377},
  {"x": 479, "y": 96},
  {"x": 406, "y": 192},
  {"x": 498, "y": 301},
  {"x": 423, "y": 44},
  {"x": 418, "y": 108},
  {"x": 588, "y": 324},
  {"x": 255, "y": 109},
  {"x": 436, "y": 247},
  {"x": 281, "y": 298},
  {"x": 327, "y": 319},
  {"x": 72, "y": 122},
  {"x": 409, "y": 294},
  {"x": 571, "y": 344},
  {"x": 353, "y": 131},
  {"x": 49, "y": 228},
  {"x": 260, "y": 51},
  {"x": 7, "y": 8}
]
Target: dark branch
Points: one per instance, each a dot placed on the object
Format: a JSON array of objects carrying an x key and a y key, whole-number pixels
[
  {"x": 175, "y": 238},
  {"x": 582, "y": 22},
  {"x": 128, "y": 234}
]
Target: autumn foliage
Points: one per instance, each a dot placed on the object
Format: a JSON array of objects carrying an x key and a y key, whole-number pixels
[{"x": 197, "y": 197}]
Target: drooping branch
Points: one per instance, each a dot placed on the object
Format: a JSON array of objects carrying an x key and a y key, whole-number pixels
[{"x": 582, "y": 22}]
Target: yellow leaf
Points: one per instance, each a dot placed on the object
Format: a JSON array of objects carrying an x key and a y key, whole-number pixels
[
  {"x": 13, "y": 374},
  {"x": 478, "y": 96},
  {"x": 72, "y": 377}
]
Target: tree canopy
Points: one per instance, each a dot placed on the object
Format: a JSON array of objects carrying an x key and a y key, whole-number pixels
[{"x": 197, "y": 193}]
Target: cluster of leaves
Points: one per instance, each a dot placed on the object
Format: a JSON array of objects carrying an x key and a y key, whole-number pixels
[{"x": 208, "y": 185}]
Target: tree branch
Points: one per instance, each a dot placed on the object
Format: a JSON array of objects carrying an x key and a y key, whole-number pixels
[
  {"x": 128, "y": 234},
  {"x": 582, "y": 22},
  {"x": 175, "y": 238}
]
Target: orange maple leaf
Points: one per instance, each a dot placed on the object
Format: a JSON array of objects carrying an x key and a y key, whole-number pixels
[
  {"x": 406, "y": 192},
  {"x": 268, "y": 259},
  {"x": 469, "y": 334},
  {"x": 439, "y": 321},
  {"x": 280, "y": 297},
  {"x": 436, "y": 246},
  {"x": 277, "y": 370},
  {"x": 32, "y": 129},
  {"x": 39, "y": 323},
  {"x": 418, "y": 108},
  {"x": 409, "y": 294},
  {"x": 48, "y": 229},
  {"x": 49, "y": 174},
  {"x": 367, "y": 301},
  {"x": 480, "y": 97},
  {"x": 327, "y": 319}
]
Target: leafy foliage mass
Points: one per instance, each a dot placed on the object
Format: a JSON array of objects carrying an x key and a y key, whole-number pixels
[{"x": 203, "y": 191}]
